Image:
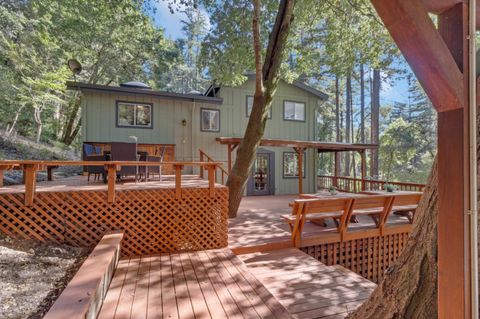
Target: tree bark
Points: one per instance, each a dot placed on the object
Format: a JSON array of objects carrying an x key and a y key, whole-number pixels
[
  {"x": 362, "y": 104},
  {"x": 409, "y": 287},
  {"x": 348, "y": 122},
  {"x": 69, "y": 132},
  {"x": 375, "y": 118},
  {"x": 267, "y": 77}
]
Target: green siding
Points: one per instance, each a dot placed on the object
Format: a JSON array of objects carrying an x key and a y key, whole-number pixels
[{"x": 99, "y": 124}]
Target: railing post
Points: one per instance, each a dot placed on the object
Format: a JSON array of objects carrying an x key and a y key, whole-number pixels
[
  {"x": 201, "y": 167},
  {"x": 1, "y": 177},
  {"x": 30, "y": 177},
  {"x": 211, "y": 179},
  {"x": 178, "y": 181},
  {"x": 111, "y": 176}
]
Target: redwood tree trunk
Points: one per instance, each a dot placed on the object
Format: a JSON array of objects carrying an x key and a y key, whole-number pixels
[
  {"x": 348, "y": 122},
  {"x": 409, "y": 287},
  {"x": 266, "y": 81},
  {"x": 375, "y": 118}
]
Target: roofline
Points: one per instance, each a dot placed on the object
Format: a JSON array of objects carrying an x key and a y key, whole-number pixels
[
  {"x": 128, "y": 90},
  {"x": 302, "y": 86}
]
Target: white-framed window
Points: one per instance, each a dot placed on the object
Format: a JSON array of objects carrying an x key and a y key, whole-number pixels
[
  {"x": 249, "y": 105},
  {"x": 290, "y": 165},
  {"x": 210, "y": 120},
  {"x": 133, "y": 114},
  {"x": 293, "y": 111}
]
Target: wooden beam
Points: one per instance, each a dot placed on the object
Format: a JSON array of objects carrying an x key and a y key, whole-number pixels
[
  {"x": 337, "y": 169},
  {"x": 364, "y": 169},
  {"x": 300, "y": 151},
  {"x": 1, "y": 177},
  {"x": 30, "y": 177},
  {"x": 111, "y": 177},
  {"x": 453, "y": 178},
  {"x": 211, "y": 179},
  {"x": 178, "y": 180},
  {"x": 425, "y": 51}
]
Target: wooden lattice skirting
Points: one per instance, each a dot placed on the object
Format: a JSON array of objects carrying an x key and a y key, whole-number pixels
[
  {"x": 153, "y": 220},
  {"x": 368, "y": 257}
]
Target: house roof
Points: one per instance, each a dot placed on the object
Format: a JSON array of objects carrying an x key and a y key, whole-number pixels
[
  {"x": 143, "y": 91},
  {"x": 213, "y": 89},
  {"x": 302, "y": 86},
  {"x": 320, "y": 146}
]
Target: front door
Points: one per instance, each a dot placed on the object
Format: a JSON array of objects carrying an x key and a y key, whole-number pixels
[{"x": 262, "y": 180}]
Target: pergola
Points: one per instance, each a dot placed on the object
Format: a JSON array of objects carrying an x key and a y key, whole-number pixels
[{"x": 300, "y": 147}]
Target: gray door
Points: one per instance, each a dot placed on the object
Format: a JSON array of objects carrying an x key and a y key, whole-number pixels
[{"x": 262, "y": 179}]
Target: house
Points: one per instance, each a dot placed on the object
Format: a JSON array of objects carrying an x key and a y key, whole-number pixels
[{"x": 179, "y": 125}]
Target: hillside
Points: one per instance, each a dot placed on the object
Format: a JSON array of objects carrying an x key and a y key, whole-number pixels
[{"x": 25, "y": 149}]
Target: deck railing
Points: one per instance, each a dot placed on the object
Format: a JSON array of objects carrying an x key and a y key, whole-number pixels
[
  {"x": 204, "y": 157},
  {"x": 30, "y": 169},
  {"x": 354, "y": 185}
]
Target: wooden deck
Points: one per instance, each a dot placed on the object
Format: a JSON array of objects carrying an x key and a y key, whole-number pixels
[
  {"x": 80, "y": 183},
  {"x": 306, "y": 287},
  {"x": 259, "y": 226},
  {"x": 205, "y": 284}
]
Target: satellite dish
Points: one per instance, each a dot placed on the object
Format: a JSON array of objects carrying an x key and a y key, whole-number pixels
[{"x": 74, "y": 66}]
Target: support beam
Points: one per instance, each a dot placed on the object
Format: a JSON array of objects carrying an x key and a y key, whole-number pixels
[
  {"x": 425, "y": 51},
  {"x": 300, "y": 152},
  {"x": 112, "y": 177},
  {"x": 30, "y": 177},
  {"x": 364, "y": 169},
  {"x": 453, "y": 178},
  {"x": 337, "y": 169}
]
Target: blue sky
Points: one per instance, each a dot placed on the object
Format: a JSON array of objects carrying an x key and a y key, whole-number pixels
[{"x": 171, "y": 23}]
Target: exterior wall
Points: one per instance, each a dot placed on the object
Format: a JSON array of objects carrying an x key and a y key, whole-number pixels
[
  {"x": 100, "y": 126},
  {"x": 233, "y": 121}
]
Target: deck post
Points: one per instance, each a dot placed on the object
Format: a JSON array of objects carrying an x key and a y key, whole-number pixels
[
  {"x": 111, "y": 176},
  {"x": 300, "y": 151},
  {"x": 336, "y": 173},
  {"x": 178, "y": 180},
  {"x": 454, "y": 298},
  {"x": 201, "y": 167},
  {"x": 30, "y": 176},
  {"x": 364, "y": 169},
  {"x": 211, "y": 179},
  {"x": 1, "y": 177}
]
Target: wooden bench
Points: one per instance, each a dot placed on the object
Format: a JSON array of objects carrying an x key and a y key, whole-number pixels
[
  {"x": 342, "y": 211},
  {"x": 83, "y": 297}
]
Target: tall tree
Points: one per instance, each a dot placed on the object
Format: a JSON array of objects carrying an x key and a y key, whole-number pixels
[
  {"x": 362, "y": 103},
  {"x": 348, "y": 120},
  {"x": 375, "y": 121},
  {"x": 266, "y": 80}
]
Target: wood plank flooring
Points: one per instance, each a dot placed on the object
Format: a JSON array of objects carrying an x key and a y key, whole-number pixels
[
  {"x": 204, "y": 284},
  {"x": 306, "y": 287}
]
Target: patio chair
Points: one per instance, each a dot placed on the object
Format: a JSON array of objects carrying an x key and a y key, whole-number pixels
[
  {"x": 145, "y": 171},
  {"x": 120, "y": 151},
  {"x": 96, "y": 170}
]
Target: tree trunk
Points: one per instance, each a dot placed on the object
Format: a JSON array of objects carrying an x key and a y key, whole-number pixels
[
  {"x": 69, "y": 132},
  {"x": 348, "y": 122},
  {"x": 11, "y": 128},
  {"x": 362, "y": 104},
  {"x": 266, "y": 81},
  {"x": 409, "y": 288},
  {"x": 375, "y": 118}
]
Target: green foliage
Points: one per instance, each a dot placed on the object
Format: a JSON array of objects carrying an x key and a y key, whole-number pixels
[{"x": 114, "y": 40}]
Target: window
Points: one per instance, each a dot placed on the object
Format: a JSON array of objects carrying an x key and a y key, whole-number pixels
[
  {"x": 293, "y": 111},
  {"x": 250, "y": 105},
  {"x": 210, "y": 120},
  {"x": 132, "y": 114},
  {"x": 290, "y": 165}
]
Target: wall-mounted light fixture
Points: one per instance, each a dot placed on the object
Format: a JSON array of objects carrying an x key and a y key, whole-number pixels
[{"x": 184, "y": 122}]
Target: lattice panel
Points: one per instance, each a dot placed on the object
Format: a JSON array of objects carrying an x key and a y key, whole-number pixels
[
  {"x": 368, "y": 257},
  {"x": 153, "y": 221}
]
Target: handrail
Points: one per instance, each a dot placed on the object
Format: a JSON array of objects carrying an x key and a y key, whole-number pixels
[
  {"x": 350, "y": 184},
  {"x": 210, "y": 160},
  {"x": 30, "y": 167}
]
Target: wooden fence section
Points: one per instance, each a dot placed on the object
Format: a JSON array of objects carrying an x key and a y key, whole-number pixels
[
  {"x": 153, "y": 220},
  {"x": 369, "y": 257},
  {"x": 354, "y": 185}
]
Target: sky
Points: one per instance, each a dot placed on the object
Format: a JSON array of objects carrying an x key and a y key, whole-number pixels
[{"x": 171, "y": 23}]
